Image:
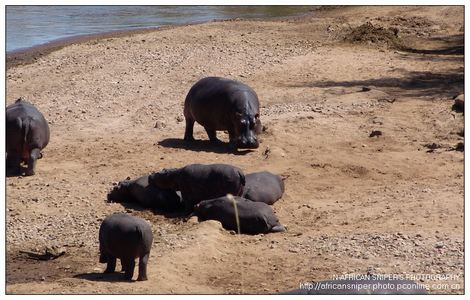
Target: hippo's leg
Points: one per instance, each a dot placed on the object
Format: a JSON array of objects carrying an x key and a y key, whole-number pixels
[
  {"x": 111, "y": 264},
  {"x": 143, "y": 267},
  {"x": 33, "y": 157},
  {"x": 188, "y": 133},
  {"x": 232, "y": 141},
  {"x": 128, "y": 266},
  {"x": 212, "y": 134},
  {"x": 13, "y": 164}
]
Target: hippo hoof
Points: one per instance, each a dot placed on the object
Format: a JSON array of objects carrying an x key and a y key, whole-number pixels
[
  {"x": 29, "y": 173},
  {"x": 142, "y": 278},
  {"x": 127, "y": 277}
]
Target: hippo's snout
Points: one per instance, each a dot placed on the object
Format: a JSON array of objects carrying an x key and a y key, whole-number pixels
[{"x": 248, "y": 143}]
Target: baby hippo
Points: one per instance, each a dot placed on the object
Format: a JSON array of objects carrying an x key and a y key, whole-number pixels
[
  {"x": 140, "y": 192},
  {"x": 254, "y": 217},
  {"x": 263, "y": 187},
  {"x": 125, "y": 237},
  {"x": 199, "y": 182}
]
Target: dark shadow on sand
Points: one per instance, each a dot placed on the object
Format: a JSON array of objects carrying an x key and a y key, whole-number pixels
[
  {"x": 201, "y": 146},
  {"x": 413, "y": 84},
  {"x": 16, "y": 173},
  {"x": 167, "y": 214},
  {"x": 454, "y": 46},
  {"x": 95, "y": 276}
]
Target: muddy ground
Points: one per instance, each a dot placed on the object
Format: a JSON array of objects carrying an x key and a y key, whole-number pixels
[{"x": 388, "y": 204}]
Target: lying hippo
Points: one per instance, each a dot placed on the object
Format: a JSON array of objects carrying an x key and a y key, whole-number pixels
[
  {"x": 223, "y": 104},
  {"x": 367, "y": 286},
  {"x": 149, "y": 196},
  {"x": 125, "y": 237},
  {"x": 263, "y": 187},
  {"x": 254, "y": 217},
  {"x": 199, "y": 182},
  {"x": 27, "y": 133}
]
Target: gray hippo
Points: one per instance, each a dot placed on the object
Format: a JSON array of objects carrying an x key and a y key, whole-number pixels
[
  {"x": 27, "y": 133},
  {"x": 254, "y": 217},
  {"x": 263, "y": 187},
  {"x": 198, "y": 182},
  {"x": 369, "y": 285},
  {"x": 148, "y": 196},
  {"x": 223, "y": 104},
  {"x": 125, "y": 237}
]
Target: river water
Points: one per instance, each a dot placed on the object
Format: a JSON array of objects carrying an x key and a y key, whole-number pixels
[{"x": 28, "y": 26}]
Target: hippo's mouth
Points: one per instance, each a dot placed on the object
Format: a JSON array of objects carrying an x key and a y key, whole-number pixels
[{"x": 253, "y": 145}]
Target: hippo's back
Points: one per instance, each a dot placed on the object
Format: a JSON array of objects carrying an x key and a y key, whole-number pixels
[{"x": 122, "y": 234}]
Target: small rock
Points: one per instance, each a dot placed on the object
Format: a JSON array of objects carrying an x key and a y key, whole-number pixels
[
  {"x": 365, "y": 89},
  {"x": 439, "y": 245},
  {"x": 375, "y": 133},
  {"x": 193, "y": 220},
  {"x": 459, "y": 147},
  {"x": 160, "y": 124}
]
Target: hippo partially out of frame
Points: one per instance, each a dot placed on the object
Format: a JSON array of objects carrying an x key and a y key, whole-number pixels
[
  {"x": 125, "y": 237},
  {"x": 27, "y": 133},
  {"x": 223, "y": 104}
]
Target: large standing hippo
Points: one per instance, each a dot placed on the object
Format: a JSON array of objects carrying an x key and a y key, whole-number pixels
[
  {"x": 253, "y": 217},
  {"x": 263, "y": 187},
  {"x": 198, "y": 182},
  {"x": 27, "y": 134},
  {"x": 125, "y": 237},
  {"x": 363, "y": 286},
  {"x": 149, "y": 196},
  {"x": 223, "y": 104}
]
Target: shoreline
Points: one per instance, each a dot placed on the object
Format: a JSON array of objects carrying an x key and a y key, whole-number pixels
[{"x": 29, "y": 55}]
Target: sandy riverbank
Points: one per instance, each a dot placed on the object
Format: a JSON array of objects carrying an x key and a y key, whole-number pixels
[{"x": 352, "y": 204}]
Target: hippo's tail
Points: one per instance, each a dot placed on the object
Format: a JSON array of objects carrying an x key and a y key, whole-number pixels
[{"x": 26, "y": 123}]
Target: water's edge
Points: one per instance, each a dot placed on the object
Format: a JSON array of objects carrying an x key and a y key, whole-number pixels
[{"x": 25, "y": 56}]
